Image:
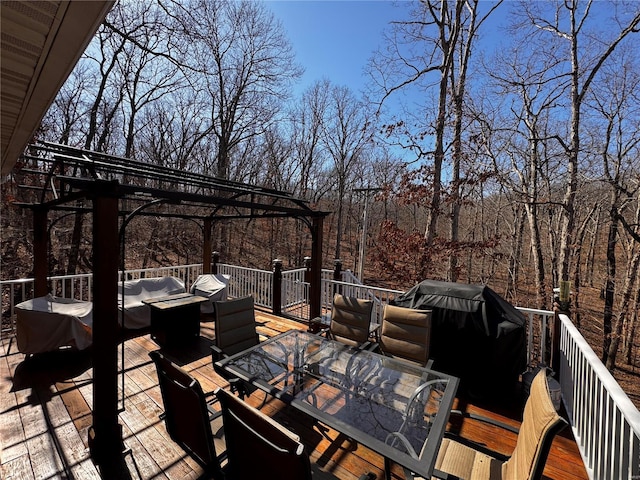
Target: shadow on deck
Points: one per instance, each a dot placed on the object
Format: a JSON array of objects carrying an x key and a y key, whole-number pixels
[{"x": 45, "y": 416}]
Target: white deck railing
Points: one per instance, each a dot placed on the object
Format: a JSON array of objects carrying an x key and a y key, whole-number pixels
[
  {"x": 379, "y": 296},
  {"x": 605, "y": 422},
  {"x": 249, "y": 281}
]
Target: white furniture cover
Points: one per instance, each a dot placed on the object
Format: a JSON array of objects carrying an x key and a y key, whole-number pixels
[
  {"x": 46, "y": 323},
  {"x": 137, "y": 314},
  {"x": 212, "y": 287}
]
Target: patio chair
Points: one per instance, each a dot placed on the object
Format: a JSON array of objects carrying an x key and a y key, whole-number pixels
[
  {"x": 350, "y": 320},
  {"x": 260, "y": 447},
  {"x": 540, "y": 424},
  {"x": 235, "y": 331},
  {"x": 405, "y": 333},
  {"x": 187, "y": 416},
  {"x": 213, "y": 287}
]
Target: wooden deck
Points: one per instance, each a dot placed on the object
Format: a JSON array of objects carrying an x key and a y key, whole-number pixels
[{"x": 45, "y": 414}]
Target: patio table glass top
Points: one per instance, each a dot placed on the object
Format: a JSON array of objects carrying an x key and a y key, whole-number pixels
[{"x": 397, "y": 409}]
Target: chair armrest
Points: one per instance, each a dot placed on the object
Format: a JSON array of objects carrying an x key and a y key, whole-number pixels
[
  {"x": 486, "y": 420},
  {"x": 438, "y": 474},
  {"x": 374, "y": 331},
  {"x": 217, "y": 353},
  {"x": 213, "y": 413},
  {"x": 316, "y": 326},
  {"x": 371, "y": 347}
]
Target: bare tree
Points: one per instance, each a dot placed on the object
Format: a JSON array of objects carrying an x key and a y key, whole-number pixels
[
  {"x": 346, "y": 134},
  {"x": 614, "y": 103},
  {"x": 467, "y": 21},
  {"x": 522, "y": 152},
  {"x": 63, "y": 121},
  {"x": 432, "y": 50},
  {"x": 247, "y": 65},
  {"x": 568, "y": 22},
  {"x": 149, "y": 77}
]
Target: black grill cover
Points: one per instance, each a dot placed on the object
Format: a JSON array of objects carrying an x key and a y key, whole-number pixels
[{"x": 476, "y": 335}]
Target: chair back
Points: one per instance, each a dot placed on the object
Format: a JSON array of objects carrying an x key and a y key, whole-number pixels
[
  {"x": 540, "y": 424},
  {"x": 235, "y": 325},
  {"x": 258, "y": 446},
  {"x": 350, "y": 319},
  {"x": 185, "y": 413},
  {"x": 406, "y": 333}
]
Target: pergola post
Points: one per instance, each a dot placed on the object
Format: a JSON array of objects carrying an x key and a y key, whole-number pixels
[
  {"x": 206, "y": 246},
  {"x": 105, "y": 436},
  {"x": 315, "y": 286},
  {"x": 277, "y": 286},
  {"x": 40, "y": 249}
]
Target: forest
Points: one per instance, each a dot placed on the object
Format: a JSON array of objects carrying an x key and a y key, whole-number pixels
[{"x": 514, "y": 165}]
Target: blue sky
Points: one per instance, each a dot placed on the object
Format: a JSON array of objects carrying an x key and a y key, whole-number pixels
[{"x": 334, "y": 39}]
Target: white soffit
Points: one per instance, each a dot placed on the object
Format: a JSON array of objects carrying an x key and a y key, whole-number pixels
[{"x": 41, "y": 44}]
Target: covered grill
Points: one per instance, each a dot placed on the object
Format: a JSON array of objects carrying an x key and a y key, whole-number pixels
[{"x": 476, "y": 335}]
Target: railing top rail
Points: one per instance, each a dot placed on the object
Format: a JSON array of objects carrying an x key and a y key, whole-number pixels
[
  {"x": 16, "y": 281},
  {"x": 236, "y": 267},
  {"x": 170, "y": 267},
  {"x": 535, "y": 311},
  {"x": 366, "y": 287},
  {"x": 294, "y": 270},
  {"x": 84, "y": 275},
  {"x": 621, "y": 399}
]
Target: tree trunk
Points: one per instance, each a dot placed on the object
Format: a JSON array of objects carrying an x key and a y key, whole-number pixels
[
  {"x": 337, "y": 250},
  {"x": 591, "y": 254},
  {"x": 536, "y": 251},
  {"x": 624, "y": 317},
  {"x": 438, "y": 155},
  {"x": 577, "y": 273},
  {"x": 628, "y": 339},
  {"x": 610, "y": 282},
  {"x": 74, "y": 250},
  {"x": 516, "y": 252}
]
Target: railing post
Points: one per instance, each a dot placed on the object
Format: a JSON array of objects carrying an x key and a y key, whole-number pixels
[
  {"x": 315, "y": 293},
  {"x": 216, "y": 260},
  {"x": 206, "y": 246},
  {"x": 307, "y": 269},
  {"x": 561, "y": 304},
  {"x": 337, "y": 274},
  {"x": 40, "y": 249},
  {"x": 277, "y": 287}
]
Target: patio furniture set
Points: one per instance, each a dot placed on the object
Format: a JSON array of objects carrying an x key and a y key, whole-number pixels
[
  {"x": 47, "y": 323},
  {"x": 376, "y": 388}
]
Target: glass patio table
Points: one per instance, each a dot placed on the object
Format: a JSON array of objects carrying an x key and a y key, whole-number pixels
[{"x": 395, "y": 408}]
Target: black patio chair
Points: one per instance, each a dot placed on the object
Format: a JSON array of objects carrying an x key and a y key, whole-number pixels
[
  {"x": 260, "y": 447},
  {"x": 188, "y": 417},
  {"x": 235, "y": 331}
]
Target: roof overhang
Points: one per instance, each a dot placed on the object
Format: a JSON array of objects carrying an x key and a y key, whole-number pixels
[{"x": 41, "y": 44}]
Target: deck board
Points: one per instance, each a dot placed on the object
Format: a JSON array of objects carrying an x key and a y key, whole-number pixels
[{"x": 45, "y": 415}]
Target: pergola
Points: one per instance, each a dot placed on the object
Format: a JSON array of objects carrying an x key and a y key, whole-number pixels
[{"x": 114, "y": 190}]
